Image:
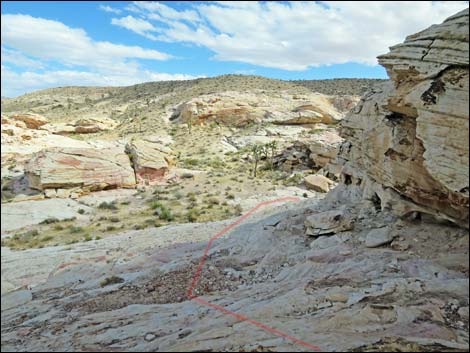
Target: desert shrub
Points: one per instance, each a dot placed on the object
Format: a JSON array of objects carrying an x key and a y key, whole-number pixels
[
  {"x": 75, "y": 230},
  {"x": 111, "y": 280},
  {"x": 81, "y": 211},
  {"x": 107, "y": 206},
  {"x": 238, "y": 209},
  {"x": 217, "y": 163},
  {"x": 31, "y": 233},
  {"x": 191, "y": 196},
  {"x": 191, "y": 162},
  {"x": 192, "y": 215},
  {"x": 50, "y": 220},
  {"x": 213, "y": 201}
]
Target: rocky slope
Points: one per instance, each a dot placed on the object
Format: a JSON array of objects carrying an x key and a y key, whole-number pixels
[{"x": 368, "y": 268}]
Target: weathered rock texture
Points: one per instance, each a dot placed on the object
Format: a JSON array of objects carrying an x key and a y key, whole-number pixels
[
  {"x": 32, "y": 121},
  {"x": 151, "y": 159},
  {"x": 81, "y": 126},
  {"x": 318, "y": 152},
  {"x": 240, "y": 109},
  {"x": 408, "y": 138},
  {"x": 87, "y": 168}
]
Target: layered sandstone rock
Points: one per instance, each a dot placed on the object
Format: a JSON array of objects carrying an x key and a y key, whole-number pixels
[
  {"x": 81, "y": 126},
  {"x": 86, "y": 168},
  {"x": 408, "y": 138},
  {"x": 32, "y": 121},
  {"x": 151, "y": 159},
  {"x": 240, "y": 109}
]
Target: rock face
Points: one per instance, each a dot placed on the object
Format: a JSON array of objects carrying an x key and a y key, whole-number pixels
[
  {"x": 85, "y": 168},
  {"x": 150, "y": 158},
  {"x": 408, "y": 138}
]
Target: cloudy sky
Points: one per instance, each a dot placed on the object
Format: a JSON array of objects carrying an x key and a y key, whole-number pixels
[{"x": 48, "y": 44}]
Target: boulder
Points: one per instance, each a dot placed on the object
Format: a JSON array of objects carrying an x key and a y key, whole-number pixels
[
  {"x": 32, "y": 121},
  {"x": 318, "y": 183},
  {"x": 328, "y": 222},
  {"x": 151, "y": 159},
  {"x": 87, "y": 168},
  {"x": 378, "y": 237},
  {"x": 409, "y": 136}
]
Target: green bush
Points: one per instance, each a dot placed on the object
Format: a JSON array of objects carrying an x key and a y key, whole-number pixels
[
  {"x": 75, "y": 230},
  {"x": 50, "y": 221},
  {"x": 107, "y": 206}
]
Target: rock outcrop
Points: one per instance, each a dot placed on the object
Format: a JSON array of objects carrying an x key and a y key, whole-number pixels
[
  {"x": 318, "y": 152},
  {"x": 85, "y": 168},
  {"x": 81, "y": 126},
  {"x": 407, "y": 140},
  {"x": 241, "y": 109},
  {"x": 150, "y": 158},
  {"x": 32, "y": 121}
]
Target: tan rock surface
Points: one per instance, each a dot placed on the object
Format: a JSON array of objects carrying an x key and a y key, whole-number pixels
[
  {"x": 32, "y": 121},
  {"x": 87, "y": 168},
  {"x": 411, "y": 135},
  {"x": 240, "y": 109},
  {"x": 151, "y": 159},
  {"x": 318, "y": 183}
]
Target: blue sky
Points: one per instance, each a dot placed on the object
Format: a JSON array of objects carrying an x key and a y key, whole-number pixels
[{"x": 47, "y": 44}]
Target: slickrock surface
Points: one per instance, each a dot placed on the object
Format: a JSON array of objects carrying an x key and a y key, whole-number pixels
[
  {"x": 16, "y": 215},
  {"x": 87, "y": 168},
  {"x": 333, "y": 292},
  {"x": 408, "y": 138}
]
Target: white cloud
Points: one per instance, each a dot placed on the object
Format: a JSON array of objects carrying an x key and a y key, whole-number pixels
[
  {"x": 295, "y": 35},
  {"x": 110, "y": 9},
  {"x": 14, "y": 83},
  {"x": 52, "y": 40},
  {"x": 136, "y": 25},
  {"x": 39, "y": 44},
  {"x": 159, "y": 11},
  {"x": 17, "y": 58}
]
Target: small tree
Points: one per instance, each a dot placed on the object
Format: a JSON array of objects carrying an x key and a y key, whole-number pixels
[
  {"x": 190, "y": 125},
  {"x": 273, "y": 148},
  {"x": 257, "y": 152}
]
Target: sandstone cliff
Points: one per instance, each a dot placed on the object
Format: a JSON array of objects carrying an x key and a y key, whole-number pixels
[{"x": 407, "y": 140}]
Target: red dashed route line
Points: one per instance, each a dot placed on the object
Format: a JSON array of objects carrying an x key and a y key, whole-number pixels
[{"x": 239, "y": 317}]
